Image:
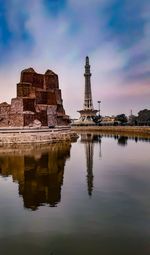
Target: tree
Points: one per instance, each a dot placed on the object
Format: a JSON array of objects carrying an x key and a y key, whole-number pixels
[
  {"x": 122, "y": 140},
  {"x": 143, "y": 117},
  {"x": 122, "y": 118}
]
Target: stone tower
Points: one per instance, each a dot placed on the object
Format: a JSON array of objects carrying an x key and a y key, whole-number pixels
[
  {"x": 88, "y": 113},
  {"x": 88, "y": 104}
]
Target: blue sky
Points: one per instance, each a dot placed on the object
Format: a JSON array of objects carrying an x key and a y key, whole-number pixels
[{"x": 58, "y": 34}]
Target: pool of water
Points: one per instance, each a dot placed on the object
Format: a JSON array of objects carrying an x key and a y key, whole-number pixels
[{"x": 88, "y": 197}]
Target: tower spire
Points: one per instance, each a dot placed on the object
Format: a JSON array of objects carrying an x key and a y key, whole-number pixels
[{"x": 88, "y": 104}]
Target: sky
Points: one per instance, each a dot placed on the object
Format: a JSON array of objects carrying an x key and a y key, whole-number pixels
[{"x": 59, "y": 34}]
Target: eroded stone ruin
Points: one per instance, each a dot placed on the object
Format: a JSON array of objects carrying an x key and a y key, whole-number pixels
[{"x": 38, "y": 102}]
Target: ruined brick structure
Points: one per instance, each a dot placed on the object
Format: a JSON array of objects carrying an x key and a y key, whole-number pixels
[{"x": 38, "y": 100}]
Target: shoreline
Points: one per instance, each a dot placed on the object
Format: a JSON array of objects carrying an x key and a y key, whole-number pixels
[
  {"x": 124, "y": 130},
  {"x": 20, "y": 136}
]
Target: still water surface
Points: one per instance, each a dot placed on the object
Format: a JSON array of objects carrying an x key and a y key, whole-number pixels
[{"x": 90, "y": 197}]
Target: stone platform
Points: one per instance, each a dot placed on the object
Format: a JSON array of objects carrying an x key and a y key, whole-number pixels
[{"x": 15, "y": 136}]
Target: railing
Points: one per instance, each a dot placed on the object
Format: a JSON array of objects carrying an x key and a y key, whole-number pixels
[{"x": 34, "y": 130}]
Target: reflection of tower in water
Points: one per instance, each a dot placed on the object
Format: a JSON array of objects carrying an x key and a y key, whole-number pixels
[
  {"x": 89, "y": 140},
  {"x": 89, "y": 164}
]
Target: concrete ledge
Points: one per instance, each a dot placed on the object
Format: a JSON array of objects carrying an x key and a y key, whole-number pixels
[{"x": 38, "y": 136}]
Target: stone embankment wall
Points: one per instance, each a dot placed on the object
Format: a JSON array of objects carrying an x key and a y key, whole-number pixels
[
  {"x": 36, "y": 137},
  {"x": 115, "y": 129}
]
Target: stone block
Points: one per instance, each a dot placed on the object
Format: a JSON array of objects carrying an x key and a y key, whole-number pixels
[
  {"x": 40, "y": 107},
  {"x": 16, "y": 106},
  {"x": 42, "y": 117},
  {"x": 25, "y": 90},
  {"x": 29, "y": 104},
  {"x": 51, "y": 109},
  {"x": 51, "y": 82},
  {"x": 27, "y": 76},
  {"x": 60, "y": 110},
  {"x": 38, "y": 81},
  {"x": 58, "y": 96},
  {"x": 16, "y": 120},
  {"x": 51, "y": 98},
  {"x": 52, "y": 120},
  {"x": 28, "y": 119},
  {"x": 41, "y": 97}
]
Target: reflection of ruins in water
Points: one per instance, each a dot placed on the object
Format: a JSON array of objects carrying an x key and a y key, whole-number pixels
[
  {"x": 89, "y": 139},
  {"x": 40, "y": 175}
]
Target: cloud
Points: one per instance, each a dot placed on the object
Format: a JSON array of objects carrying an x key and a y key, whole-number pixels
[{"x": 60, "y": 40}]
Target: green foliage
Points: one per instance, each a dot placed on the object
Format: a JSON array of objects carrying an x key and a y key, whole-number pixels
[
  {"x": 144, "y": 115},
  {"x": 121, "y": 118}
]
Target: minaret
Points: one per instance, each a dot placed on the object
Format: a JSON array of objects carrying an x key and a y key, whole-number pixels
[
  {"x": 88, "y": 114},
  {"x": 88, "y": 104}
]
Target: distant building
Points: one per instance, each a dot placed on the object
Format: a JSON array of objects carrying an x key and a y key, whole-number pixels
[
  {"x": 132, "y": 119},
  {"x": 108, "y": 121},
  {"x": 38, "y": 100}
]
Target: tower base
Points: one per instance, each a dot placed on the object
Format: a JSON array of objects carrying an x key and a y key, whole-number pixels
[{"x": 86, "y": 118}]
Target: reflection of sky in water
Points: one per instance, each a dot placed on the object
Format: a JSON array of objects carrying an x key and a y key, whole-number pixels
[{"x": 114, "y": 220}]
